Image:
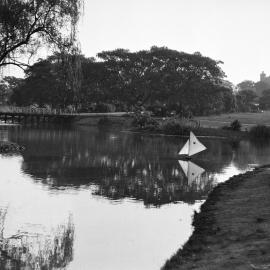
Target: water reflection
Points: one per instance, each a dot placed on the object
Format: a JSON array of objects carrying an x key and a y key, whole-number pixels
[
  {"x": 193, "y": 172},
  {"x": 80, "y": 171},
  {"x": 31, "y": 248},
  {"x": 118, "y": 165},
  {"x": 115, "y": 231},
  {"x": 123, "y": 165},
  {"x": 3, "y": 135}
]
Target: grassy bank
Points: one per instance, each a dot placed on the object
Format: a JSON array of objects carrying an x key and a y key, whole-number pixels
[
  {"x": 233, "y": 126},
  {"x": 247, "y": 119},
  {"x": 232, "y": 231},
  {"x": 200, "y": 132},
  {"x": 182, "y": 127}
]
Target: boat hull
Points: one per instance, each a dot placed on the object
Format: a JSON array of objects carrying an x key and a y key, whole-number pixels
[{"x": 184, "y": 157}]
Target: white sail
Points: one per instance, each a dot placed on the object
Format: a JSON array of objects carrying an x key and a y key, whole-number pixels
[
  {"x": 194, "y": 171},
  {"x": 195, "y": 146},
  {"x": 191, "y": 170},
  {"x": 185, "y": 149},
  {"x": 184, "y": 165}
]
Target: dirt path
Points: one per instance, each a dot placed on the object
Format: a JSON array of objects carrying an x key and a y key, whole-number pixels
[{"x": 232, "y": 230}]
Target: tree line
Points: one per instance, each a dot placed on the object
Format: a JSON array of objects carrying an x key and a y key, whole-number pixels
[
  {"x": 255, "y": 92},
  {"x": 159, "y": 80}
]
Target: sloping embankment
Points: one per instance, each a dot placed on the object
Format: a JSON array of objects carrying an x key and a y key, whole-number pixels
[{"x": 232, "y": 231}]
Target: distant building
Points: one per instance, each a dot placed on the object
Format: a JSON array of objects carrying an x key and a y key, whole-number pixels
[
  {"x": 264, "y": 78},
  {"x": 263, "y": 84}
]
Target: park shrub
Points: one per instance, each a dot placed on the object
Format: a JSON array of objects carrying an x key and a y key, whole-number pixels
[
  {"x": 145, "y": 121},
  {"x": 175, "y": 126},
  {"x": 159, "y": 109},
  {"x": 260, "y": 132},
  {"x": 235, "y": 126}
]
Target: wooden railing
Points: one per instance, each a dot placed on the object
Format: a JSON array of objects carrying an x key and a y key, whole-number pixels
[{"x": 33, "y": 110}]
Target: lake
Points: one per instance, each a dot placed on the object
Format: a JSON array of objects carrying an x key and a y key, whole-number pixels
[{"x": 88, "y": 198}]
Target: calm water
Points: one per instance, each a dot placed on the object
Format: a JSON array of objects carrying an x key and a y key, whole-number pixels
[{"x": 85, "y": 198}]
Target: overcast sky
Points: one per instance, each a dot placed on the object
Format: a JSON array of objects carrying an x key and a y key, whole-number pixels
[{"x": 234, "y": 31}]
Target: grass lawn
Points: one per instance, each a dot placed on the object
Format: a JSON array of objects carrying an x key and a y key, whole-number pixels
[{"x": 246, "y": 119}]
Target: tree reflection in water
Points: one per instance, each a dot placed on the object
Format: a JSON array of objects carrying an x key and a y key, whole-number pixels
[
  {"x": 27, "y": 250},
  {"x": 119, "y": 165},
  {"x": 155, "y": 187}
]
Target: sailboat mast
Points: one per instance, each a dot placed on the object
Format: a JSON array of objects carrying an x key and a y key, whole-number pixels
[
  {"x": 189, "y": 144},
  {"x": 195, "y": 146}
]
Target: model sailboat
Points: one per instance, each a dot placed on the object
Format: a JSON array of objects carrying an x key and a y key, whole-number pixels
[
  {"x": 191, "y": 170},
  {"x": 191, "y": 147}
]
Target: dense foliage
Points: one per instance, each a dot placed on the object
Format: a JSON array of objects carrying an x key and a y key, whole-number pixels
[
  {"x": 265, "y": 100},
  {"x": 48, "y": 83},
  {"x": 7, "y": 85},
  {"x": 245, "y": 101},
  {"x": 234, "y": 125},
  {"x": 163, "y": 81}
]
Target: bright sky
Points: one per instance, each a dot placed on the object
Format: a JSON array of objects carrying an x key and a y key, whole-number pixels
[{"x": 234, "y": 31}]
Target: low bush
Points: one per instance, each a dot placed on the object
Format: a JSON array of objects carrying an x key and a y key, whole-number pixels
[
  {"x": 235, "y": 126},
  {"x": 260, "y": 132},
  {"x": 175, "y": 127},
  {"x": 144, "y": 120}
]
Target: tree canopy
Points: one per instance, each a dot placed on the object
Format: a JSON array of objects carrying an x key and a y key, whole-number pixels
[
  {"x": 47, "y": 82},
  {"x": 7, "y": 86},
  {"x": 247, "y": 85},
  {"x": 245, "y": 100},
  {"x": 161, "y": 74},
  {"x": 159, "y": 79},
  {"x": 26, "y": 25},
  {"x": 265, "y": 100}
]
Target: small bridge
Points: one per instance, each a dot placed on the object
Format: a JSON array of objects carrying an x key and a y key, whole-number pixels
[{"x": 15, "y": 114}]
